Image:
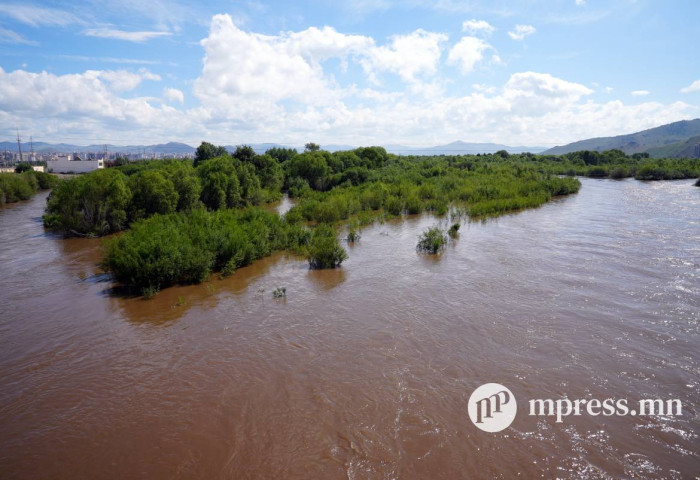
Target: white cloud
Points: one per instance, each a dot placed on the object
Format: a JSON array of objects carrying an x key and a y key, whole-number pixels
[
  {"x": 122, "y": 80},
  {"x": 286, "y": 88},
  {"x": 137, "y": 37},
  {"x": 88, "y": 96},
  {"x": 251, "y": 71},
  {"x": 174, "y": 95},
  {"x": 39, "y": 16},
  {"x": 641, "y": 93},
  {"x": 8, "y": 36},
  {"x": 467, "y": 53},
  {"x": 580, "y": 3},
  {"x": 476, "y": 27},
  {"x": 608, "y": 89},
  {"x": 693, "y": 87},
  {"x": 533, "y": 93},
  {"x": 480, "y": 87},
  {"x": 522, "y": 31},
  {"x": 407, "y": 55}
]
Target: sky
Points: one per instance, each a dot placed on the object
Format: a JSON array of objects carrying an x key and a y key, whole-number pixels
[{"x": 351, "y": 72}]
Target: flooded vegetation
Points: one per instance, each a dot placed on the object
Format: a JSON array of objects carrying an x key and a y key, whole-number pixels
[
  {"x": 363, "y": 371},
  {"x": 23, "y": 185}
]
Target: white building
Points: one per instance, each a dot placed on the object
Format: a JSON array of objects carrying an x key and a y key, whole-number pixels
[{"x": 66, "y": 164}]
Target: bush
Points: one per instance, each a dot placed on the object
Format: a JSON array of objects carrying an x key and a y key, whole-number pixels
[
  {"x": 454, "y": 229},
  {"x": 353, "y": 236},
  {"x": 92, "y": 204},
  {"x": 324, "y": 250},
  {"x": 432, "y": 240}
]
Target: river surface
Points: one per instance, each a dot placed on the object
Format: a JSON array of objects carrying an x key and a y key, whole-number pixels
[{"x": 364, "y": 371}]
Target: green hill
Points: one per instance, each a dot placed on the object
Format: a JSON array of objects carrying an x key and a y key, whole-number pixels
[
  {"x": 666, "y": 136},
  {"x": 676, "y": 150}
]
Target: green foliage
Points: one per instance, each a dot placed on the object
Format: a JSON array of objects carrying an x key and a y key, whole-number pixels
[
  {"x": 312, "y": 167},
  {"x": 151, "y": 193},
  {"x": 207, "y": 151},
  {"x": 15, "y": 187},
  {"x": 432, "y": 240},
  {"x": 23, "y": 167},
  {"x": 312, "y": 147},
  {"x": 93, "y": 204},
  {"x": 353, "y": 235},
  {"x": 187, "y": 222},
  {"x": 453, "y": 231},
  {"x": 186, "y": 247},
  {"x": 282, "y": 155},
  {"x": 324, "y": 249}
]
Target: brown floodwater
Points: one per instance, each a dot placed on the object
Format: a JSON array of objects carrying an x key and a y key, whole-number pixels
[{"x": 364, "y": 371}]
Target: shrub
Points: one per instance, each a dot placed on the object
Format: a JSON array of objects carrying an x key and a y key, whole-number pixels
[
  {"x": 432, "y": 240},
  {"x": 324, "y": 250},
  {"x": 353, "y": 236},
  {"x": 454, "y": 229}
]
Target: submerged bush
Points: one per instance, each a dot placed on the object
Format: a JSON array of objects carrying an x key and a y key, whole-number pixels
[
  {"x": 452, "y": 232},
  {"x": 353, "y": 235},
  {"x": 432, "y": 240},
  {"x": 324, "y": 249},
  {"x": 187, "y": 247}
]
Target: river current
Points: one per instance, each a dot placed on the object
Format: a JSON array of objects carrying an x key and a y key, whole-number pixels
[{"x": 364, "y": 371}]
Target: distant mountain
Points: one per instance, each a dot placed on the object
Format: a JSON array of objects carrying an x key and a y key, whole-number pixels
[
  {"x": 460, "y": 148},
  {"x": 42, "y": 147},
  {"x": 654, "y": 140},
  {"x": 679, "y": 149}
]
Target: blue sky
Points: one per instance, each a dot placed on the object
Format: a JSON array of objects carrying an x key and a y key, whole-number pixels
[{"x": 356, "y": 72}]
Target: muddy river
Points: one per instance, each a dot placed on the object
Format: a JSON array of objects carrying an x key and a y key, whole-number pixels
[{"x": 365, "y": 371}]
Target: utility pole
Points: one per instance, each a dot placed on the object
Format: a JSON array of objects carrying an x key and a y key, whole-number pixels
[{"x": 19, "y": 145}]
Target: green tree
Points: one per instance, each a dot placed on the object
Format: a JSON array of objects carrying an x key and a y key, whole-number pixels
[
  {"x": 207, "y": 151},
  {"x": 312, "y": 147},
  {"x": 244, "y": 153},
  {"x": 152, "y": 193},
  {"x": 312, "y": 167},
  {"x": 23, "y": 167},
  {"x": 324, "y": 249},
  {"x": 282, "y": 155}
]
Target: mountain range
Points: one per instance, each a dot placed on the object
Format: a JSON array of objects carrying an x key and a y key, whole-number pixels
[
  {"x": 173, "y": 148},
  {"x": 676, "y": 139}
]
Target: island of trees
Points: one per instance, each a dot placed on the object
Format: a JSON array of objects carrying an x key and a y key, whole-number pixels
[
  {"x": 184, "y": 220},
  {"x": 23, "y": 184}
]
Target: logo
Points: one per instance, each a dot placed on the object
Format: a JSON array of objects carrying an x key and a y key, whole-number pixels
[{"x": 492, "y": 407}]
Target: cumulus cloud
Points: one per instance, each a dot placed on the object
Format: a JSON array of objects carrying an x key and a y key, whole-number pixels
[
  {"x": 122, "y": 80},
  {"x": 137, "y": 37},
  {"x": 407, "y": 55},
  {"x": 243, "y": 70},
  {"x": 174, "y": 95},
  {"x": 521, "y": 31},
  {"x": 258, "y": 88},
  {"x": 476, "y": 27},
  {"x": 641, "y": 93},
  {"x": 467, "y": 53},
  {"x": 693, "y": 87}
]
